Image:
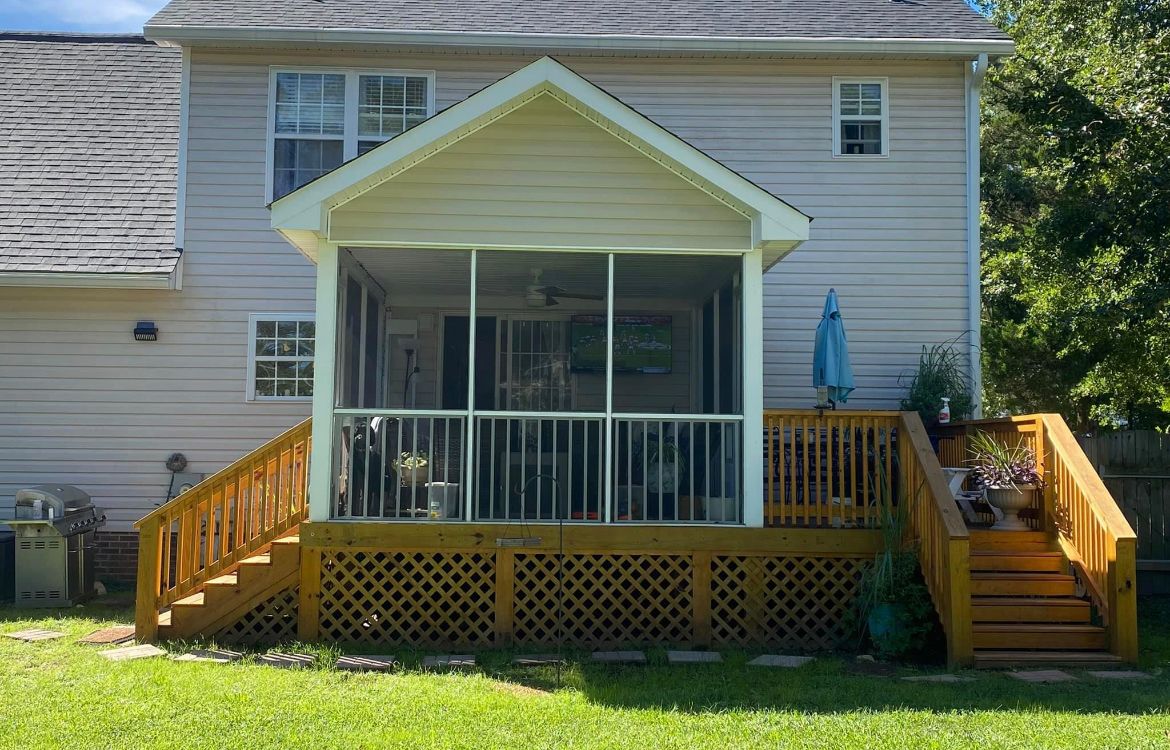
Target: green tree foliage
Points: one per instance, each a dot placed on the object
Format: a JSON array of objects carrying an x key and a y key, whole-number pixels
[{"x": 1076, "y": 211}]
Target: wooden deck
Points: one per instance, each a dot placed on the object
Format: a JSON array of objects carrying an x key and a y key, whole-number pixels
[{"x": 829, "y": 477}]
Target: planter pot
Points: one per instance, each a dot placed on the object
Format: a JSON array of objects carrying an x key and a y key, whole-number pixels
[
  {"x": 412, "y": 477},
  {"x": 1011, "y": 500},
  {"x": 887, "y": 627}
]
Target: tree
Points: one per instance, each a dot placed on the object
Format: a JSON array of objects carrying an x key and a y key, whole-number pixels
[{"x": 1076, "y": 211}]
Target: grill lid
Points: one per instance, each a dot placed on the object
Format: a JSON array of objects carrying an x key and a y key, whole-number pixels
[{"x": 61, "y": 498}]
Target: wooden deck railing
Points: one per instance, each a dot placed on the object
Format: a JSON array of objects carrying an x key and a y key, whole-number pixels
[
  {"x": 1093, "y": 533},
  {"x": 220, "y": 521},
  {"x": 944, "y": 545},
  {"x": 1075, "y": 509},
  {"x": 828, "y": 468}
]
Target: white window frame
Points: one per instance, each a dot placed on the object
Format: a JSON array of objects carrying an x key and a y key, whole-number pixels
[
  {"x": 838, "y": 118},
  {"x": 349, "y": 149},
  {"x": 253, "y": 319}
]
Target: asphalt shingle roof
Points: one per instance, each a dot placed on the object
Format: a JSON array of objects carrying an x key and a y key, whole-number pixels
[
  {"x": 89, "y": 131},
  {"x": 865, "y": 19}
]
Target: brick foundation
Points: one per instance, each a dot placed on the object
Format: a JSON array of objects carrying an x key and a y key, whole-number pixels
[{"x": 116, "y": 558}]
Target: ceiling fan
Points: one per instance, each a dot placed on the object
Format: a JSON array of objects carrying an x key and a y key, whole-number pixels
[{"x": 547, "y": 295}]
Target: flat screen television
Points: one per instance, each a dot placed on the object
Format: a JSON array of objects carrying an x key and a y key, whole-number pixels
[{"x": 641, "y": 343}]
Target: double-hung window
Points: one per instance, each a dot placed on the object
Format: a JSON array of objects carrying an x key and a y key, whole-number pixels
[
  {"x": 320, "y": 119},
  {"x": 280, "y": 356},
  {"x": 860, "y": 117}
]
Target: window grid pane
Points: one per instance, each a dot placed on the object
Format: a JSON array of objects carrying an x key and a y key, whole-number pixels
[
  {"x": 388, "y": 105},
  {"x": 861, "y": 107},
  {"x": 310, "y": 103},
  {"x": 284, "y": 358}
]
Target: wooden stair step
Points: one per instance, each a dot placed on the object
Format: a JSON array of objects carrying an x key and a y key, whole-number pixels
[
  {"x": 191, "y": 600},
  {"x": 1022, "y": 584},
  {"x": 1032, "y": 561},
  {"x": 1042, "y": 636},
  {"x": 1019, "y": 541},
  {"x": 1029, "y": 609},
  {"x": 990, "y": 659}
]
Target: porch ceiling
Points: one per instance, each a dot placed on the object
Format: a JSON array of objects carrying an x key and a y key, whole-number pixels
[{"x": 541, "y": 159}]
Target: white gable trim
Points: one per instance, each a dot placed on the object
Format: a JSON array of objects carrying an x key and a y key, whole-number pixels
[{"x": 775, "y": 224}]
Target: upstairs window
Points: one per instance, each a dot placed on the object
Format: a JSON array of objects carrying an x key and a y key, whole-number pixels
[
  {"x": 280, "y": 356},
  {"x": 320, "y": 119},
  {"x": 860, "y": 117}
]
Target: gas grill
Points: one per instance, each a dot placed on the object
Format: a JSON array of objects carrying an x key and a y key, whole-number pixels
[{"x": 54, "y": 526}]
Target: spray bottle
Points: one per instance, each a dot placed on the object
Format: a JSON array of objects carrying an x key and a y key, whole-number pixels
[{"x": 944, "y": 414}]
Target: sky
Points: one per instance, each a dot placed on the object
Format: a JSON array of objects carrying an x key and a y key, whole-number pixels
[{"x": 77, "y": 15}]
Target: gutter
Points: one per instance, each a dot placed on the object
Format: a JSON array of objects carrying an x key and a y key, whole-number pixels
[
  {"x": 277, "y": 36},
  {"x": 51, "y": 279},
  {"x": 975, "y": 74}
]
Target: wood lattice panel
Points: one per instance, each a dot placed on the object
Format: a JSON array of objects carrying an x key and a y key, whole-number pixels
[
  {"x": 608, "y": 599},
  {"x": 792, "y": 602},
  {"x": 417, "y": 598},
  {"x": 269, "y": 622}
]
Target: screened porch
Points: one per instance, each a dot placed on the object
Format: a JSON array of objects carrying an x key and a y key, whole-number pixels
[{"x": 500, "y": 386}]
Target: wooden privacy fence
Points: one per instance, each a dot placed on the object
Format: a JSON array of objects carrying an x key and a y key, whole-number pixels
[
  {"x": 222, "y": 520},
  {"x": 1075, "y": 509}
]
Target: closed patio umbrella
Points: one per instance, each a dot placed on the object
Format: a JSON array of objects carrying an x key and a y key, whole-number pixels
[{"x": 831, "y": 367}]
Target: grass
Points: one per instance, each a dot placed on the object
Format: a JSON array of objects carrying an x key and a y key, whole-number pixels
[{"x": 62, "y": 694}]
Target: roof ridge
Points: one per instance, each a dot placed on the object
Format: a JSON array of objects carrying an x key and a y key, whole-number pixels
[{"x": 72, "y": 36}]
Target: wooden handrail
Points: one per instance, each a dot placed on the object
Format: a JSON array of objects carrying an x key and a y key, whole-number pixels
[
  {"x": 1093, "y": 533},
  {"x": 943, "y": 542},
  {"x": 224, "y": 519}
]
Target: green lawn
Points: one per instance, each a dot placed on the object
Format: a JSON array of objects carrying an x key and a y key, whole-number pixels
[{"x": 62, "y": 694}]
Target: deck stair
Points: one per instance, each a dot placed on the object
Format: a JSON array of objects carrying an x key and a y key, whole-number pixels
[
  {"x": 1024, "y": 604},
  {"x": 225, "y": 598}
]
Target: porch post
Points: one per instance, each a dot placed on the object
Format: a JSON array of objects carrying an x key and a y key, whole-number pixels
[
  {"x": 607, "y": 493},
  {"x": 753, "y": 388},
  {"x": 324, "y": 369},
  {"x": 469, "y": 462}
]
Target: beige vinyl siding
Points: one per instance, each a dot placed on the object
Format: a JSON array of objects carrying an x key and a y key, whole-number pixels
[
  {"x": 83, "y": 403},
  {"x": 565, "y": 183}
]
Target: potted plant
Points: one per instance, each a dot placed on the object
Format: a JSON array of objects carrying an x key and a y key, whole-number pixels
[
  {"x": 893, "y": 604},
  {"x": 941, "y": 373},
  {"x": 411, "y": 467},
  {"x": 1010, "y": 476}
]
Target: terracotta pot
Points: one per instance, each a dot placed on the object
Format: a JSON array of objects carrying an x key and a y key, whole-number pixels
[{"x": 1011, "y": 500}]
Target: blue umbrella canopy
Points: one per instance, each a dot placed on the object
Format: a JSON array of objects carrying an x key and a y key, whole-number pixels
[{"x": 831, "y": 366}]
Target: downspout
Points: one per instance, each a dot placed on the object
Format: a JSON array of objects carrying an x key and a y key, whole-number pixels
[{"x": 975, "y": 74}]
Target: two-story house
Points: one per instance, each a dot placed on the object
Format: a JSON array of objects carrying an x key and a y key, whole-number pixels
[{"x": 524, "y": 265}]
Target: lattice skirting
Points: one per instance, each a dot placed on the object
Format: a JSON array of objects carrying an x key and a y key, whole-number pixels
[
  {"x": 420, "y": 598},
  {"x": 269, "y": 622},
  {"x": 445, "y": 599},
  {"x": 607, "y": 599},
  {"x": 791, "y": 602}
]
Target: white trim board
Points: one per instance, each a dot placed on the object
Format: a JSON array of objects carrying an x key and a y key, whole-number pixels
[{"x": 776, "y": 225}]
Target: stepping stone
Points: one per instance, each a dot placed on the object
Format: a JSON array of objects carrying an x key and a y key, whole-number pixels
[
  {"x": 1043, "y": 676},
  {"x": 116, "y": 634},
  {"x": 779, "y": 660},
  {"x": 1119, "y": 674},
  {"x": 130, "y": 653},
  {"x": 950, "y": 678},
  {"x": 538, "y": 660},
  {"x": 287, "y": 661},
  {"x": 619, "y": 657},
  {"x": 449, "y": 661},
  {"x": 215, "y": 656},
  {"x": 365, "y": 663},
  {"x": 34, "y": 635},
  {"x": 693, "y": 657}
]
